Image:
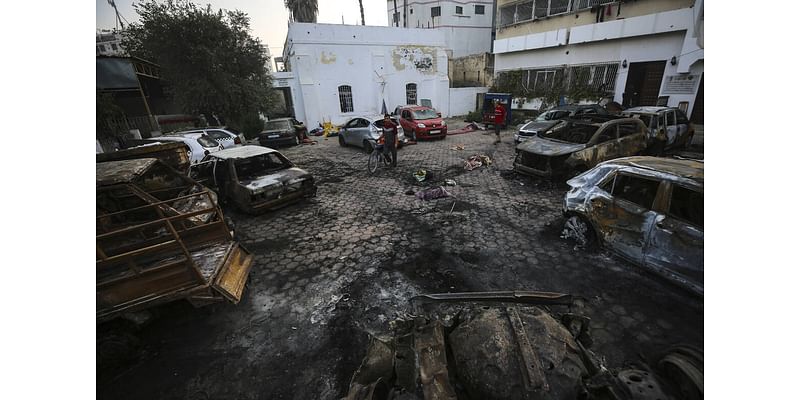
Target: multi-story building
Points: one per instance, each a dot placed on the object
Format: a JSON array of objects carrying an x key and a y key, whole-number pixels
[
  {"x": 108, "y": 43},
  {"x": 644, "y": 52}
]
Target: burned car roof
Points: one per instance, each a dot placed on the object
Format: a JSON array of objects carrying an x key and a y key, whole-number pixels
[
  {"x": 242, "y": 152},
  {"x": 684, "y": 168},
  {"x": 124, "y": 171},
  {"x": 647, "y": 109}
]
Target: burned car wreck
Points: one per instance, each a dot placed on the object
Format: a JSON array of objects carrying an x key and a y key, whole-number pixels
[
  {"x": 256, "y": 179},
  {"x": 161, "y": 237},
  {"x": 575, "y": 145},
  {"x": 647, "y": 209},
  {"x": 509, "y": 345}
]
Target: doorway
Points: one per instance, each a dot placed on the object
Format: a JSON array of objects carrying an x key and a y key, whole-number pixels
[
  {"x": 643, "y": 84},
  {"x": 697, "y": 111}
]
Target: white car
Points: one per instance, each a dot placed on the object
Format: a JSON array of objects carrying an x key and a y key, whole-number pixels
[
  {"x": 200, "y": 144},
  {"x": 227, "y": 137}
]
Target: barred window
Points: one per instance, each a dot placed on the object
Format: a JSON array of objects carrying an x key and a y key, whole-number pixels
[
  {"x": 436, "y": 11},
  {"x": 411, "y": 93},
  {"x": 534, "y": 9},
  {"x": 479, "y": 10},
  {"x": 581, "y": 4},
  {"x": 459, "y": 10},
  {"x": 345, "y": 98}
]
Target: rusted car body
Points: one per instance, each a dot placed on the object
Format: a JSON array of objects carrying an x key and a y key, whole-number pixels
[
  {"x": 256, "y": 179},
  {"x": 576, "y": 145},
  {"x": 667, "y": 127},
  {"x": 175, "y": 154},
  {"x": 507, "y": 345},
  {"x": 647, "y": 209},
  {"x": 161, "y": 237}
]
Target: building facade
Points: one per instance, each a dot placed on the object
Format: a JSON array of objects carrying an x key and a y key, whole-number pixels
[
  {"x": 336, "y": 72},
  {"x": 644, "y": 52},
  {"x": 466, "y": 25},
  {"x": 109, "y": 43}
]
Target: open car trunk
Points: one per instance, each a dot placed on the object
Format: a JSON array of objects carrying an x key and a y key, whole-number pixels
[{"x": 161, "y": 237}]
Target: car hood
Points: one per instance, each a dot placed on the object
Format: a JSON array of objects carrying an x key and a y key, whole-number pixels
[
  {"x": 437, "y": 121},
  {"x": 284, "y": 177},
  {"x": 546, "y": 147},
  {"x": 538, "y": 126}
]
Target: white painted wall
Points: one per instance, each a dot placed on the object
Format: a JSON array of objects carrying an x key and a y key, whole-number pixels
[
  {"x": 465, "y": 34},
  {"x": 376, "y": 62},
  {"x": 463, "y": 100}
]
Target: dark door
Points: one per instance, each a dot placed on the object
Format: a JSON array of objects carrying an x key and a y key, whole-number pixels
[
  {"x": 697, "y": 111},
  {"x": 643, "y": 84}
]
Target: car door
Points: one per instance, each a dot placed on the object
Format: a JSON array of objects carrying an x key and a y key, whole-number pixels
[
  {"x": 671, "y": 126},
  {"x": 602, "y": 146},
  {"x": 406, "y": 121},
  {"x": 622, "y": 213},
  {"x": 360, "y": 131},
  {"x": 348, "y": 131},
  {"x": 676, "y": 238},
  {"x": 632, "y": 138}
]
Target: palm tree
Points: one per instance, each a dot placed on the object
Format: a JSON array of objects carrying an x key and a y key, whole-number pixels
[
  {"x": 361, "y": 5},
  {"x": 302, "y": 10}
]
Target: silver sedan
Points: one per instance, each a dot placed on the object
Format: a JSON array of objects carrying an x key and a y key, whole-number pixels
[{"x": 364, "y": 131}]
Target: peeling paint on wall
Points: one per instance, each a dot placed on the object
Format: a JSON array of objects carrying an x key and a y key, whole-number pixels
[
  {"x": 329, "y": 59},
  {"x": 422, "y": 58}
]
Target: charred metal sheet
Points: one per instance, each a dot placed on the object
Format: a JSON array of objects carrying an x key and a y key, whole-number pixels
[
  {"x": 531, "y": 366},
  {"x": 173, "y": 154},
  {"x": 110, "y": 173},
  {"x": 522, "y": 297},
  {"x": 432, "y": 358}
]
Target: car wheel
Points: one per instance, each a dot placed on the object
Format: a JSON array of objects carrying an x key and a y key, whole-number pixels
[
  {"x": 341, "y": 141},
  {"x": 367, "y": 147},
  {"x": 578, "y": 229}
]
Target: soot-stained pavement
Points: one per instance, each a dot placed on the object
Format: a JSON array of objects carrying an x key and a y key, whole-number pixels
[{"x": 333, "y": 269}]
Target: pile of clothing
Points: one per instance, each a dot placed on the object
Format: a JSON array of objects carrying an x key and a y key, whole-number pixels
[{"x": 477, "y": 161}]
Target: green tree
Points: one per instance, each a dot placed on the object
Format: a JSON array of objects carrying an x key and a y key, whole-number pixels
[
  {"x": 302, "y": 10},
  {"x": 209, "y": 61}
]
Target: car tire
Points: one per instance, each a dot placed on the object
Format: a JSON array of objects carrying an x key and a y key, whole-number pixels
[
  {"x": 578, "y": 229},
  {"x": 341, "y": 141}
]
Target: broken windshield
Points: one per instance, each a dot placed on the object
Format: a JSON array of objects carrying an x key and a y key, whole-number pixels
[
  {"x": 571, "y": 132},
  {"x": 254, "y": 167}
]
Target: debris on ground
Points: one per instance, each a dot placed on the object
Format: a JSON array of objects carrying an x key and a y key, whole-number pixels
[
  {"x": 450, "y": 182},
  {"x": 458, "y": 147},
  {"x": 477, "y": 161},
  {"x": 471, "y": 127},
  {"x": 308, "y": 141},
  {"x": 421, "y": 175},
  {"x": 432, "y": 193},
  {"x": 410, "y": 192}
]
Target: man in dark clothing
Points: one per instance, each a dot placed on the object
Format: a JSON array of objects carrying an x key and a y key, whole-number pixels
[{"x": 389, "y": 137}]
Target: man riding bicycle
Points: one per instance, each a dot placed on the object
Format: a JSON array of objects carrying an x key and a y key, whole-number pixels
[{"x": 389, "y": 139}]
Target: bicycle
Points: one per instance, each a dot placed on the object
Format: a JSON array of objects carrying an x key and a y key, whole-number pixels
[{"x": 377, "y": 157}]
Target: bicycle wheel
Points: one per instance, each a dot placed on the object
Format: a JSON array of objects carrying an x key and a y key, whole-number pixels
[{"x": 372, "y": 163}]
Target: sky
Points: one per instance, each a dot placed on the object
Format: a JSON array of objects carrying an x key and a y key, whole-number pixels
[{"x": 268, "y": 18}]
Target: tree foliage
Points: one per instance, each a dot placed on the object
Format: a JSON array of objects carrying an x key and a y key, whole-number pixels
[
  {"x": 302, "y": 10},
  {"x": 209, "y": 61}
]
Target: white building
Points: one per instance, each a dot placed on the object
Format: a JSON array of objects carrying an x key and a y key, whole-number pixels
[
  {"x": 108, "y": 43},
  {"x": 645, "y": 52},
  {"x": 336, "y": 72},
  {"x": 466, "y": 25}
]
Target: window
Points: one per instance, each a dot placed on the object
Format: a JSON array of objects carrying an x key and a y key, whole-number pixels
[
  {"x": 406, "y": 114},
  {"x": 411, "y": 93},
  {"x": 102, "y": 47},
  {"x": 581, "y": 4},
  {"x": 480, "y": 10},
  {"x": 254, "y": 167},
  {"x": 206, "y": 141},
  {"x": 459, "y": 10},
  {"x": 113, "y": 46},
  {"x": 681, "y": 116},
  {"x": 686, "y": 205},
  {"x": 345, "y": 99},
  {"x": 627, "y": 129},
  {"x": 637, "y": 190},
  {"x": 436, "y": 11}
]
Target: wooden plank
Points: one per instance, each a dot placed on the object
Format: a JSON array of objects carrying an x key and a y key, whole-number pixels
[{"x": 232, "y": 277}]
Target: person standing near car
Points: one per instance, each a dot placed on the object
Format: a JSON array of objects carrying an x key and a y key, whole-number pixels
[
  {"x": 389, "y": 137},
  {"x": 499, "y": 119}
]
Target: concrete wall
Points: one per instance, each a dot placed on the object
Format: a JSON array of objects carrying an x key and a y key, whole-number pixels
[
  {"x": 376, "y": 62},
  {"x": 463, "y": 100},
  {"x": 465, "y": 34},
  {"x": 471, "y": 70}
]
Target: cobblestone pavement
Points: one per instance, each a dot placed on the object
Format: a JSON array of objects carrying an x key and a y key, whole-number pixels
[{"x": 334, "y": 268}]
